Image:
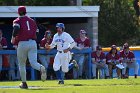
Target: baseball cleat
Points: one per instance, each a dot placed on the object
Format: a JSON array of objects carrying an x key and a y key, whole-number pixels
[
  {"x": 75, "y": 64},
  {"x": 23, "y": 85},
  {"x": 61, "y": 82},
  {"x": 135, "y": 76},
  {"x": 43, "y": 73}
]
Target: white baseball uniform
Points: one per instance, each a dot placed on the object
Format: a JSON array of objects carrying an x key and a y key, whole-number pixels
[{"x": 62, "y": 41}]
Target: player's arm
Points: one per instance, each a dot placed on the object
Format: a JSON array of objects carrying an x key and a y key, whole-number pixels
[
  {"x": 76, "y": 47},
  {"x": 94, "y": 61},
  {"x": 47, "y": 46},
  {"x": 52, "y": 45},
  {"x": 71, "y": 45},
  {"x": 16, "y": 28},
  {"x": 72, "y": 42}
]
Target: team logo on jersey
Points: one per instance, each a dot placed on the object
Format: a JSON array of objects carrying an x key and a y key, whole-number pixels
[{"x": 59, "y": 40}]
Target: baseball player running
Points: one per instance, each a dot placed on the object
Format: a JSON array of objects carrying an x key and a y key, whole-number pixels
[
  {"x": 24, "y": 28},
  {"x": 64, "y": 43}
]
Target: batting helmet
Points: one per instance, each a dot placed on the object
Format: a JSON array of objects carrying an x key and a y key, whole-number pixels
[
  {"x": 21, "y": 10},
  {"x": 61, "y": 25}
]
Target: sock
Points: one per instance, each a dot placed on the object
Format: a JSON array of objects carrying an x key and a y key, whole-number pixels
[
  {"x": 63, "y": 75},
  {"x": 22, "y": 70},
  {"x": 58, "y": 75}
]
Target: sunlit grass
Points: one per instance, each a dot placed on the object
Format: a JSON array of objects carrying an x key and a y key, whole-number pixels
[{"x": 130, "y": 85}]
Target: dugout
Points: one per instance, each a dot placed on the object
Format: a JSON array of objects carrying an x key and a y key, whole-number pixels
[{"x": 74, "y": 18}]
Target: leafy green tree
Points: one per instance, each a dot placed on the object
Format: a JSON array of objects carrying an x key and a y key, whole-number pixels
[
  {"x": 35, "y": 2},
  {"x": 117, "y": 22}
]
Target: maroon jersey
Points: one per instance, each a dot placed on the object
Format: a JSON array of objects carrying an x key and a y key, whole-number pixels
[
  {"x": 44, "y": 41},
  {"x": 85, "y": 43},
  {"x": 129, "y": 55},
  {"x": 98, "y": 58},
  {"x": 28, "y": 28},
  {"x": 115, "y": 57},
  {"x": 3, "y": 41}
]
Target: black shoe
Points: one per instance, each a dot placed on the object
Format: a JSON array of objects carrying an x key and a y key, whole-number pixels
[
  {"x": 107, "y": 77},
  {"x": 125, "y": 76},
  {"x": 135, "y": 76},
  {"x": 80, "y": 77},
  {"x": 23, "y": 85},
  {"x": 61, "y": 82},
  {"x": 93, "y": 77}
]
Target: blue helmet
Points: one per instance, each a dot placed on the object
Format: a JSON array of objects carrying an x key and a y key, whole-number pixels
[{"x": 61, "y": 25}]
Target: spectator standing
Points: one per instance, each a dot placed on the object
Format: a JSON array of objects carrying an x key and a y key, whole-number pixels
[
  {"x": 45, "y": 59},
  {"x": 82, "y": 42}
]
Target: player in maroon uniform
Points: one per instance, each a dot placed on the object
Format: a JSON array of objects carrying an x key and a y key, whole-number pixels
[
  {"x": 99, "y": 61},
  {"x": 45, "y": 59},
  {"x": 25, "y": 29},
  {"x": 3, "y": 44},
  {"x": 82, "y": 42},
  {"x": 112, "y": 59},
  {"x": 128, "y": 59}
]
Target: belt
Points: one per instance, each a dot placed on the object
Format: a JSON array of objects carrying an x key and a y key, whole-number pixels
[
  {"x": 27, "y": 40},
  {"x": 60, "y": 51},
  {"x": 30, "y": 39}
]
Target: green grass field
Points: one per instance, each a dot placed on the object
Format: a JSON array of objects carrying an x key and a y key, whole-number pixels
[{"x": 130, "y": 85}]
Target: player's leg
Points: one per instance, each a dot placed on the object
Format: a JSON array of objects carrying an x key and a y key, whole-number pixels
[
  {"x": 22, "y": 57},
  {"x": 80, "y": 64},
  {"x": 66, "y": 64},
  {"x": 134, "y": 65},
  {"x": 56, "y": 67},
  {"x": 32, "y": 55},
  {"x": 106, "y": 70},
  {"x": 94, "y": 66},
  {"x": 124, "y": 70},
  {"x": 110, "y": 67},
  {"x": 43, "y": 59},
  {"x": 118, "y": 70},
  {"x": 136, "y": 68},
  {"x": 101, "y": 73}
]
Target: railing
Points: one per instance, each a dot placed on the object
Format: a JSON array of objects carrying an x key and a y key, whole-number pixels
[{"x": 52, "y": 52}]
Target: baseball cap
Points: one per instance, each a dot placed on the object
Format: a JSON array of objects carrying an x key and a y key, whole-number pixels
[{"x": 21, "y": 9}]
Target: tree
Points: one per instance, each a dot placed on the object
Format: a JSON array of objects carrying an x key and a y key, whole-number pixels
[{"x": 117, "y": 22}]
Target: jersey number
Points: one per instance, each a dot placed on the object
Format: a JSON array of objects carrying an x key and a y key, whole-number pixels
[{"x": 27, "y": 23}]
